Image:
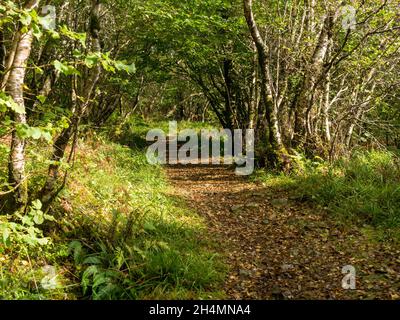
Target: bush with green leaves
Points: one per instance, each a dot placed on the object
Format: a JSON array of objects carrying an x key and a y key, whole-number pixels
[
  {"x": 28, "y": 259},
  {"x": 25, "y": 231}
]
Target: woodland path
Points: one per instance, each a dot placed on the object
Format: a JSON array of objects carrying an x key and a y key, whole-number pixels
[{"x": 278, "y": 247}]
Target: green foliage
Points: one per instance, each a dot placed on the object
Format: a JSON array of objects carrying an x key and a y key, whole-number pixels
[
  {"x": 301, "y": 164},
  {"x": 26, "y": 231},
  {"x": 80, "y": 37},
  {"x": 23, "y": 248},
  {"x": 134, "y": 240},
  {"x": 25, "y": 131},
  {"x": 193, "y": 59},
  {"x": 145, "y": 241},
  {"x": 7, "y": 102},
  {"x": 92, "y": 59},
  {"x": 65, "y": 69},
  {"x": 363, "y": 190},
  {"x": 133, "y": 131}
]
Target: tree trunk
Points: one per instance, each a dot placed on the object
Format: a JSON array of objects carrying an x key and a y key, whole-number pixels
[
  {"x": 360, "y": 109},
  {"x": 15, "y": 88},
  {"x": 254, "y": 96},
  {"x": 275, "y": 148},
  {"x": 326, "y": 109},
  {"x": 3, "y": 52},
  {"x": 310, "y": 84}
]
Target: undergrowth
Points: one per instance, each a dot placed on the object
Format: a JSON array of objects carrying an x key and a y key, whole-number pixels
[
  {"x": 363, "y": 190},
  {"x": 118, "y": 233},
  {"x": 133, "y": 239}
]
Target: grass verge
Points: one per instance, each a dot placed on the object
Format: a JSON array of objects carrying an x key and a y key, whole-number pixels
[{"x": 363, "y": 190}]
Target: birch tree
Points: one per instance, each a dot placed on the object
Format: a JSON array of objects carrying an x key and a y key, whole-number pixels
[{"x": 14, "y": 86}]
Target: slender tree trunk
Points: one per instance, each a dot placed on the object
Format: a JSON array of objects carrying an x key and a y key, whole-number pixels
[
  {"x": 326, "y": 108},
  {"x": 349, "y": 133},
  {"x": 3, "y": 52},
  {"x": 276, "y": 148},
  {"x": 9, "y": 60},
  {"x": 14, "y": 87},
  {"x": 228, "y": 112},
  {"x": 311, "y": 82},
  {"x": 312, "y": 5},
  {"x": 254, "y": 96},
  {"x": 361, "y": 108}
]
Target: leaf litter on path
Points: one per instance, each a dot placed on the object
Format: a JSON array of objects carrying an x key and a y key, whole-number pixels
[{"x": 277, "y": 248}]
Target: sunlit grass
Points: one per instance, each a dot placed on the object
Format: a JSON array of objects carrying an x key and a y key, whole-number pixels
[
  {"x": 363, "y": 190},
  {"x": 119, "y": 203},
  {"x": 128, "y": 237}
]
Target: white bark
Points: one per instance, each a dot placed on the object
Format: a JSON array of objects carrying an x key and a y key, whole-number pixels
[{"x": 15, "y": 88}]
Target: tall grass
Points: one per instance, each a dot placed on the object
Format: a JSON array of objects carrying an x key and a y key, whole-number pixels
[
  {"x": 119, "y": 232},
  {"x": 363, "y": 190},
  {"x": 133, "y": 239}
]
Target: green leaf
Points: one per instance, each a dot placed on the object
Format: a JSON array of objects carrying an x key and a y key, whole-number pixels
[
  {"x": 47, "y": 22},
  {"x": 17, "y": 108},
  {"x": 26, "y": 220},
  {"x": 91, "y": 60},
  {"x": 49, "y": 218},
  {"x": 43, "y": 241},
  {"x": 55, "y": 35},
  {"x": 65, "y": 69},
  {"x": 25, "y": 19},
  {"x": 47, "y": 136},
  {"x": 131, "y": 68},
  {"x": 6, "y": 235},
  {"x": 100, "y": 279},
  {"x": 38, "y": 218},
  {"x": 34, "y": 133},
  {"x": 81, "y": 37},
  {"x": 122, "y": 66},
  {"x": 24, "y": 29},
  {"x": 148, "y": 226},
  {"x": 75, "y": 247},
  {"x": 37, "y": 204},
  {"x": 39, "y": 70},
  {"x": 8, "y": 102},
  {"x": 107, "y": 66},
  {"x": 58, "y": 65},
  {"x": 91, "y": 271},
  {"x": 41, "y": 98},
  {"x": 37, "y": 32},
  {"x": 92, "y": 260}
]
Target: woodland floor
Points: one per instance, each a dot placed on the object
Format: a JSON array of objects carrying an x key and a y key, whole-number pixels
[{"x": 277, "y": 247}]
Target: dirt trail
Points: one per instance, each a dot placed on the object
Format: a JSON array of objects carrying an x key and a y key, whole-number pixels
[{"x": 281, "y": 248}]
